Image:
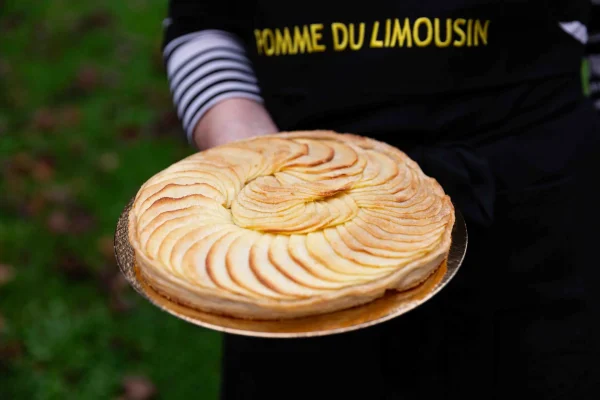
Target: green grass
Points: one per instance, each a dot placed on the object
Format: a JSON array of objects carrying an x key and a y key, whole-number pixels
[{"x": 85, "y": 118}]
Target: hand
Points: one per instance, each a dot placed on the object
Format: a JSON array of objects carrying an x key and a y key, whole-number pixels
[{"x": 230, "y": 120}]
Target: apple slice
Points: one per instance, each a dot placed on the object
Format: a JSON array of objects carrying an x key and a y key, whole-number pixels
[
  {"x": 315, "y": 216},
  {"x": 216, "y": 266},
  {"x": 342, "y": 207},
  {"x": 378, "y": 170},
  {"x": 178, "y": 190},
  {"x": 161, "y": 208},
  {"x": 179, "y": 240},
  {"x": 368, "y": 262},
  {"x": 195, "y": 213},
  {"x": 321, "y": 189},
  {"x": 186, "y": 244},
  {"x": 405, "y": 233},
  {"x": 242, "y": 271},
  {"x": 398, "y": 225},
  {"x": 152, "y": 241},
  {"x": 273, "y": 277},
  {"x": 318, "y": 153},
  {"x": 194, "y": 265},
  {"x": 250, "y": 219},
  {"x": 390, "y": 242},
  {"x": 279, "y": 255},
  {"x": 324, "y": 246},
  {"x": 344, "y": 156},
  {"x": 277, "y": 152},
  {"x": 298, "y": 251},
  {"x": 382, "y": 248},
  {"x": 399, "y": 182},
  {"x": 418, "y": 213},
  {"x": 206, "y": 177}
]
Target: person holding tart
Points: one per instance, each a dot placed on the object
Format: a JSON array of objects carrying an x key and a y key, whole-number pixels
[{"x": 480, "y": 103}]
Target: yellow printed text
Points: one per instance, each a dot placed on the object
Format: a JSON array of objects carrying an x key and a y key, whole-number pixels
[{"x": 389, "y": 33}]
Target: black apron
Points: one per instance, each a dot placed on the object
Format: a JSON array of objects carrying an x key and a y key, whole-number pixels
[{"x": 493, "y": 109}]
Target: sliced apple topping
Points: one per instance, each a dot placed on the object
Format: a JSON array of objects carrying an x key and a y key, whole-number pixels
[{"x": 289, "y": 218}]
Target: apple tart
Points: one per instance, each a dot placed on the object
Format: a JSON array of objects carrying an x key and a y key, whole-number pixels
[{"x": 289, "y": 225}]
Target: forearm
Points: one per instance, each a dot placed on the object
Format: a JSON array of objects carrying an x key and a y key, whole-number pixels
[{"x": 232, "y": 119}]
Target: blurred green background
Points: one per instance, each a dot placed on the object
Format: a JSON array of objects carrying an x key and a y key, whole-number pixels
[{"x": 85, "y": 118}]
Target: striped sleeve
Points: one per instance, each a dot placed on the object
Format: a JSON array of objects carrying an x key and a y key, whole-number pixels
[
  {"x": 593, "y": 53},
  {"x": 205, "y": 68},
  {"x": 205, "y": 59}
]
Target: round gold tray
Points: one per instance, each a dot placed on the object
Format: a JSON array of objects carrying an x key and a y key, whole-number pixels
[{"x": 392, "y": 305}]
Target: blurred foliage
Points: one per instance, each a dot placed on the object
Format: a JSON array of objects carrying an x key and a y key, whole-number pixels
[{"x": 85, "y": 118}]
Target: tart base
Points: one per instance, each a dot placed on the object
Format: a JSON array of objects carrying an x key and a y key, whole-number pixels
[{"x": 390, "y": 304}]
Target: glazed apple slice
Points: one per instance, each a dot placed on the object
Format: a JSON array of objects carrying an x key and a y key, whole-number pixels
[
  {"x": 390, "y": 242},
  {"x": 344, "y": 156},
  {"x": 195, "y": 213},
  {"x": 415, "y": 212},
  {"x": 194, "y": 259},
  {"x": 185, "y": 245},
  {"x": 312, "y": 277},
  {"x": 325, "y": 247},
  {"x": 273, "y": 277},
  {"x": 409, "y": 233},
  {"x": 157, "y": 236},
  {"x": 315, "y": 216},
  {"x": 299, "y": 252},
  {"x": 378, "y": 170},
  {"x": 318, "y": 153},
  {"x": 180, "y": 240},
  {"x": 270, "y": 190},
  {"x": 177, "y": 190},
  {"x": 398, "y": 182},
  {"x": 199, "y": 176},
  {"x": 342, "y": 207},
  {"x": 250, "y": 219},
  {"x": 276, "y": 152},
  {"x": 242, "y": 271},
  {"x": 360, "y": 258},
  {"x": 216, "y": 266},
  {"x": 396, "y": 201},
  {"x": 382, "y": 248},
  {"x": 320, "y": 189},
  {"x": 398, "y": 225},
  {"x": 225, "y": 172}
]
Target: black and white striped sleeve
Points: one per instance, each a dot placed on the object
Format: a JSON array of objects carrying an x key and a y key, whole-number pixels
[
  {"x": 205, "y": 60},
  {"x": 593, "y": 53}
]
